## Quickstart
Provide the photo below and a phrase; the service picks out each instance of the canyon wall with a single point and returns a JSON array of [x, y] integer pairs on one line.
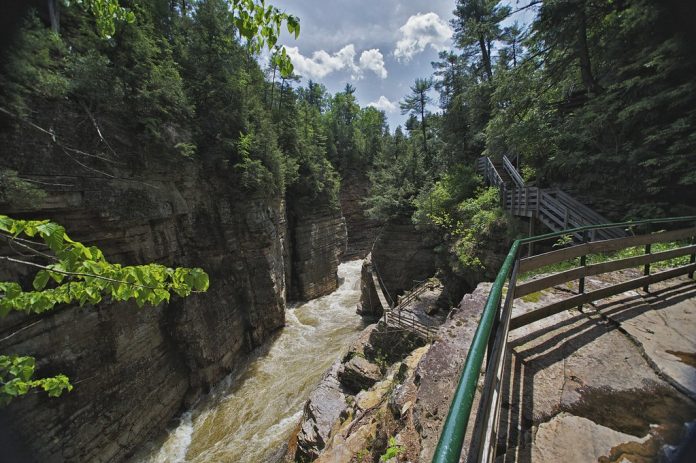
[[134, 369], [362, 231], [403, 256]]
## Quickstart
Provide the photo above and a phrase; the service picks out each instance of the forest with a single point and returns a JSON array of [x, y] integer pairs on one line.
[[594, 87], [596, 97]]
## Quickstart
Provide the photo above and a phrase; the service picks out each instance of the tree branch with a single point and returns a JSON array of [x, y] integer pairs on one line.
[[83, 275]]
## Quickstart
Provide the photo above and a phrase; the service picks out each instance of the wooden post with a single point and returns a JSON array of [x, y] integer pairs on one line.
[[646, 269], [530, 250], [526, 201], [693, 258], [583, 263]]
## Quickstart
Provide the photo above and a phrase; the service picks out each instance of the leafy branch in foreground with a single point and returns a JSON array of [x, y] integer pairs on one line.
[[70, 272]]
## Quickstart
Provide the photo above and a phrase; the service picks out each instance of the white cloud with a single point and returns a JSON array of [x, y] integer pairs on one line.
[[383, 104], [421, 30], [373, 60], [321, 63]]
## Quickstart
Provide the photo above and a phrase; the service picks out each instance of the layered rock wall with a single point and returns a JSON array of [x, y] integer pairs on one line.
[[318, 240], [362, 231], [134, 369], [403, 256]]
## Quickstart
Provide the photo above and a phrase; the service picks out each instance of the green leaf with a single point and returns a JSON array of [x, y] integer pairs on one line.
[[200, 279], [41, 279]]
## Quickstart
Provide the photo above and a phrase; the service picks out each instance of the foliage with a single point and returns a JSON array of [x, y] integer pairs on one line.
[[14, 190], [563, 240], [32, 67], [399, 174], [416, 103], [16, 374], [258, 23], [106, 14], [393, 450], [75, 273], [466, 220]]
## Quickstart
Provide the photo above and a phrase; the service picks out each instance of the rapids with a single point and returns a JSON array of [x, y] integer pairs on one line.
[[251, 413]]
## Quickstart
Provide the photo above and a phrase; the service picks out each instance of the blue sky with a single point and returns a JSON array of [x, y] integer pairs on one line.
[[378, 46]]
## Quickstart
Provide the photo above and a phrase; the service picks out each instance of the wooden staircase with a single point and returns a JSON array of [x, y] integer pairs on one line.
[[551, 206], [398, 316]]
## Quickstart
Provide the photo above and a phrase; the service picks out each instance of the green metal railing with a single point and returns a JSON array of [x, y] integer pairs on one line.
[[492, 320]]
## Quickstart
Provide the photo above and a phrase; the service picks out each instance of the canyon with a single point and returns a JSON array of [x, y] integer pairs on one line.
[[135, 369]]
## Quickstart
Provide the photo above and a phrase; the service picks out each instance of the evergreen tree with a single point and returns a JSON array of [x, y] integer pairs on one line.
[[416, 104]]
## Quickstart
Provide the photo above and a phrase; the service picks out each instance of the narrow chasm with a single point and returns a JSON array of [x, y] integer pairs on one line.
[[251, 414]]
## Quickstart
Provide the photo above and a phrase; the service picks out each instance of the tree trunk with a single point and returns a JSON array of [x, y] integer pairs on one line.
[[584, 54], [280, 98], [54, 15], [273, 86], [486, 57], [422, 108]]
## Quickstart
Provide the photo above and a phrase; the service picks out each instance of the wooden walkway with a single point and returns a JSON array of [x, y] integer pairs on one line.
[[551, 206], [398, 315]]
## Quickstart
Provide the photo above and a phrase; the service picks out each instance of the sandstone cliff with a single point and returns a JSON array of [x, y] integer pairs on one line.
[[133, 369]]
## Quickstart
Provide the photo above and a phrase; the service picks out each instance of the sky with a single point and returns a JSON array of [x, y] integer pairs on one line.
[[378, 46]]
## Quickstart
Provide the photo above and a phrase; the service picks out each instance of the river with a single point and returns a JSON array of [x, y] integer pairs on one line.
[[252, 412]]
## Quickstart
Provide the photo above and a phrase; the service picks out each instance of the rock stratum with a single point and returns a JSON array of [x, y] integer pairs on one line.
[[134, 369]]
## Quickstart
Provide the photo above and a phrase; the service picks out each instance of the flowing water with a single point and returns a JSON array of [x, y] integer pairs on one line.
[[252, 413]]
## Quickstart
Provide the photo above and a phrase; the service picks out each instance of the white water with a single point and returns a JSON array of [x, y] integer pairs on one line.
[[252, 413]]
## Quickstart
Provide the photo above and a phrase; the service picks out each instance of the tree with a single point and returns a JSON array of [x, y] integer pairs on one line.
[[69, 272], [258, 23], [416, 104], [476, 28]]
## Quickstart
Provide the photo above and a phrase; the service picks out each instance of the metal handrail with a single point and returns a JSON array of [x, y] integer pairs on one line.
[[451, 440]]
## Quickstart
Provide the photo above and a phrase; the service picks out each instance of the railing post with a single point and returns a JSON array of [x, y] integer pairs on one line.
[[646, 269], [693, 257], [526, 201], [583, 263], [530, 249]]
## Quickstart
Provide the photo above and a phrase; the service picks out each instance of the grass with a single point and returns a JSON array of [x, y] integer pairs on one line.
[[533, 297]]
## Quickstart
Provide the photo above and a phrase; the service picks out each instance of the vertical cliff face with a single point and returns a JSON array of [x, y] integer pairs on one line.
[[133, 369], [362, 231], [402, 255], [318, 239]]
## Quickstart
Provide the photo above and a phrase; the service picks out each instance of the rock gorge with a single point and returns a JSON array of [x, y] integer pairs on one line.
[[134, 369]]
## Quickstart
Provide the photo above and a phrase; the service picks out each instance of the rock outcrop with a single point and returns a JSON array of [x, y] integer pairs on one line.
[[370, 305], [609, 384], [134, 369], [358, 374]]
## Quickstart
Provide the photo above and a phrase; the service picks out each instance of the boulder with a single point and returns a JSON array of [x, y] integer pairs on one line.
[[359, 374]]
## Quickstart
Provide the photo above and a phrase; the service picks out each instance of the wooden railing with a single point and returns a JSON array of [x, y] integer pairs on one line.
[[490, 173], [496, 321], [516, 177]]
